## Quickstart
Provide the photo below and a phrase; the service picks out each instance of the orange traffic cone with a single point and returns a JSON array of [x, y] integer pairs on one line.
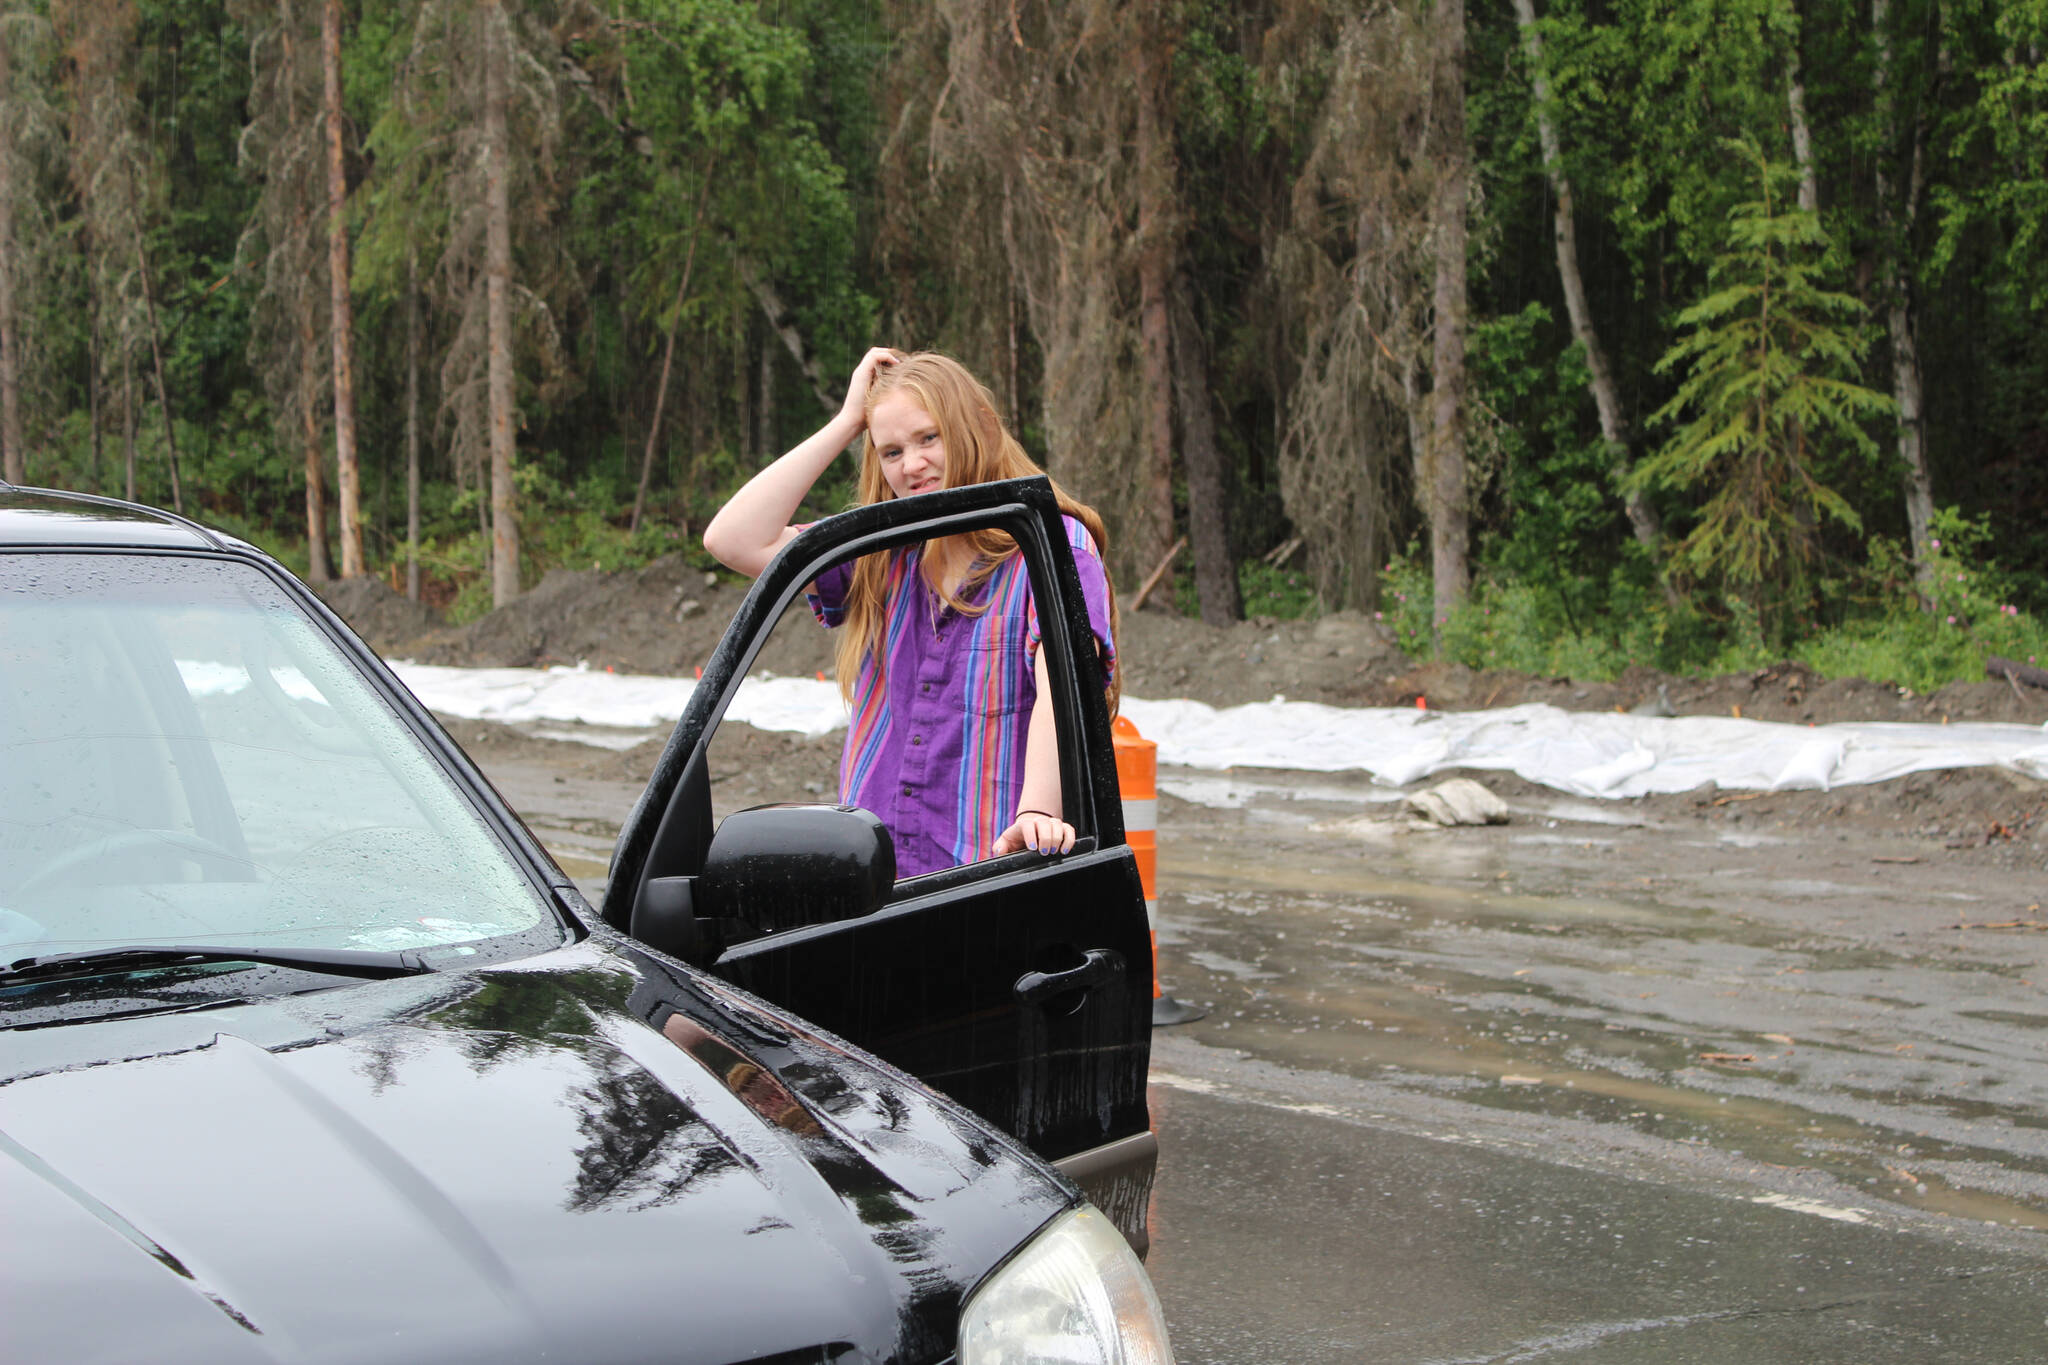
[[1137, 779]]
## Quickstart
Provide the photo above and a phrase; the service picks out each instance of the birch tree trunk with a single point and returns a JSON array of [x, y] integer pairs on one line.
[[1443, 484], [94, 383], [1153, 532], [1802, 133], [127, 424], [340, 320], [668, 356], [412, 425], [1208, 518], [1895, 222], [1614, 425], [764, 402], [782, 321], [319, 568], [13, 457], [498, 304], [156, 358]]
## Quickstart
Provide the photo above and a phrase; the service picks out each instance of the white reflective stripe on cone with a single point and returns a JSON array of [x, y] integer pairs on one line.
[[1152, 915], [1141, 814]]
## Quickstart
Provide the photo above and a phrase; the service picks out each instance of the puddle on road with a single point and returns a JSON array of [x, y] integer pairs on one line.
[[1414, 968]]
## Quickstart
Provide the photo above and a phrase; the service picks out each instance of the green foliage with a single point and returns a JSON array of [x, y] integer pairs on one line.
[[743, 143], [732, 166], [1285, 594], [1921, 635], [1278, 594], [1559, 525], [1530, 626], [1770, 406], [1883, 630], [2004, 130]]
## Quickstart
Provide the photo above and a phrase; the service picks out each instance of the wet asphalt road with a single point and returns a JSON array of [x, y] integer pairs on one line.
[[1567, 1092], [1290, 1228], [1570, 1091]]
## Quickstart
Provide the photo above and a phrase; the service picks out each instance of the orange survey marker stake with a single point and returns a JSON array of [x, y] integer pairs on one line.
[[1137, 780]]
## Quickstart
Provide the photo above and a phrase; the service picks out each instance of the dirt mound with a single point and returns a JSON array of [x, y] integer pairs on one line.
[[389, 621], [1350, 660], [1345, 659], [663, 619]]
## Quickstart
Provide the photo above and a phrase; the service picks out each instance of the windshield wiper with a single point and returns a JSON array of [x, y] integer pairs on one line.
[[145, 957]]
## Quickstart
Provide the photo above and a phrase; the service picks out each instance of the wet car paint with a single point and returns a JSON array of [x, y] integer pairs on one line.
[[588, 1155]]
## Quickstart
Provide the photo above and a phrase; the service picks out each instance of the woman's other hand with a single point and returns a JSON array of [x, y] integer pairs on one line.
[[1034, 829]]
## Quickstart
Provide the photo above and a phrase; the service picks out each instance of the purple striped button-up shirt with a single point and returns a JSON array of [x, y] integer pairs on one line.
[[935, 742]]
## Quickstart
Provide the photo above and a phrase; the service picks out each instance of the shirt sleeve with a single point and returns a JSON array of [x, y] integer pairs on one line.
[[1094, 591], [828, 593]]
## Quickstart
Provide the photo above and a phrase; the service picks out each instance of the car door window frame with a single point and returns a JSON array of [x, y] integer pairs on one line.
[[672, 841]]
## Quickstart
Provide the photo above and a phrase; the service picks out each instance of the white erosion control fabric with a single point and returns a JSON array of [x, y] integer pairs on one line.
[[1583, 753]]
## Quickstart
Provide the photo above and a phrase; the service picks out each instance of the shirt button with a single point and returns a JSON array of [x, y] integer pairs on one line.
[[924, 687], [906, 789], [917, 739]]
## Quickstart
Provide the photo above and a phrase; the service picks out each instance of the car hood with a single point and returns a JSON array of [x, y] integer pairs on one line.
[[590, 1155]]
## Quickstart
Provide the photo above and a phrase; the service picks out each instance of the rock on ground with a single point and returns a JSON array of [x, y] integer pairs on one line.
[[1459, 801]]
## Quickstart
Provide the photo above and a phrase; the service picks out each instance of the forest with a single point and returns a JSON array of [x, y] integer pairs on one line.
[[1563, 335]]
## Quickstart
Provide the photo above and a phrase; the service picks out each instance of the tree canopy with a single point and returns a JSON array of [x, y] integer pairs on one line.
[[1675, 328]]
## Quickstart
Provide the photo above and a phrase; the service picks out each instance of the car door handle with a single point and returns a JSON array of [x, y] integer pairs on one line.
[[1097, 966]]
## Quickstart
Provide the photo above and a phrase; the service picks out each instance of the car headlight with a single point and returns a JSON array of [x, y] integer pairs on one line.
[[1075, 1295]]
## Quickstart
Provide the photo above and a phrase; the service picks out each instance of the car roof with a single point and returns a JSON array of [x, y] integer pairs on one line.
[[49, 517]]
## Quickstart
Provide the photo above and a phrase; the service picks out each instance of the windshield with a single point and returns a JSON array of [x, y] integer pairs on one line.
[[185, 757]]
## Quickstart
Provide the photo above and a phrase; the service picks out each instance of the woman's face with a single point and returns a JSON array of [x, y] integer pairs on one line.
[[908, 443]]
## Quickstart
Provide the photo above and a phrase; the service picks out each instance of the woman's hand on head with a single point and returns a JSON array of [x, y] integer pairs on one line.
[[758, 521], [1035, 830], [855, 408]]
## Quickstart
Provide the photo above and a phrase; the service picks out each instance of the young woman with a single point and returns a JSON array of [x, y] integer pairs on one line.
[[951, 738]]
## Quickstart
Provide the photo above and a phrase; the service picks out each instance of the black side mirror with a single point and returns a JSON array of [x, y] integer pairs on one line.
[[665, 917], [783, 867]]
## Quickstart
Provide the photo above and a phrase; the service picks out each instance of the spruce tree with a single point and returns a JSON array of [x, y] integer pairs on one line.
[[1769, 405]]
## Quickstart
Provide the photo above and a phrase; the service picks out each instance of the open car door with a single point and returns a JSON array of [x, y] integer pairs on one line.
[[1020, 986]]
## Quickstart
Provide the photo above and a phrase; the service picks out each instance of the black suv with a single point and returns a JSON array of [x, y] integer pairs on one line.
[[313, 1053]]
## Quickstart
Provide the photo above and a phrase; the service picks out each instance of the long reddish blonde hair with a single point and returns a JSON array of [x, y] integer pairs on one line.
[[979, 449]]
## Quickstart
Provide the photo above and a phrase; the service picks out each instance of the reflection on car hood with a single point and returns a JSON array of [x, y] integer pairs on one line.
[[587, 1156]]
